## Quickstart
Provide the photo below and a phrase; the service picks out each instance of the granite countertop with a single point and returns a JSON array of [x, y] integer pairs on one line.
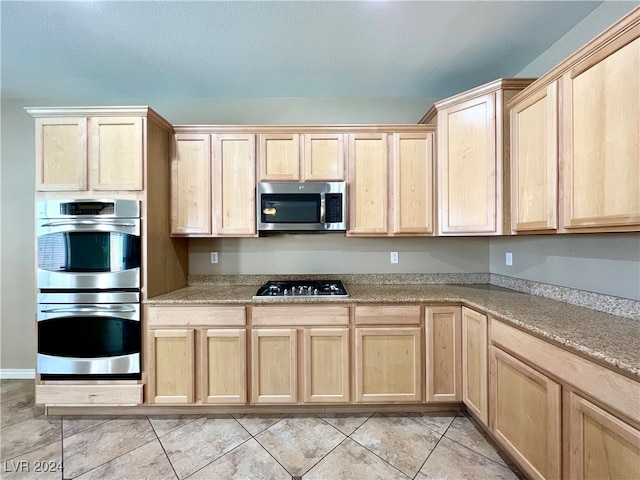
[[608, 339]]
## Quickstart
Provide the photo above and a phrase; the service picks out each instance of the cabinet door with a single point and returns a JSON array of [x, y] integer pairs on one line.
[[171, 372], [474, 363], [273, 365], [525, 415], [388, 364], [224, 369], [279, 156], [326, 365], [443, 354], [601, 139], [61, 154], [191, 184], [116, 153], [467, 167], [600, 446], [368, 184], [324, 157], [534, 162], [413, 183], [234, 189]]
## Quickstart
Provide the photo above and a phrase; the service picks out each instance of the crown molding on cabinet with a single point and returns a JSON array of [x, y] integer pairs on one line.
[[355, 128]]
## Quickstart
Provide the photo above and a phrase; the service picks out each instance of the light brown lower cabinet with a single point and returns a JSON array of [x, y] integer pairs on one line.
[[171, 374], [388, 363], [598, 445], [325, 375], [223, 370], [218, 374], [526, 415], [274, 365], [474, 363], [443, 354]]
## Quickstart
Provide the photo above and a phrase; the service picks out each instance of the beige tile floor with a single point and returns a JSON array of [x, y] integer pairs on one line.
[[327, 447]]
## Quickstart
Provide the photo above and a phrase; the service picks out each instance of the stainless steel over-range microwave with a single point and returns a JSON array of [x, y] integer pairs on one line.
[[299, 207]]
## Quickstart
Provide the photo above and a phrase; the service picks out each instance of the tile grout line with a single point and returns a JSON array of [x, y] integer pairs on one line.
[[162, 446]]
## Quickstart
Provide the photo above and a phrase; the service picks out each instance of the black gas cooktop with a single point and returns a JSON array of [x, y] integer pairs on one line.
[[302, 288]]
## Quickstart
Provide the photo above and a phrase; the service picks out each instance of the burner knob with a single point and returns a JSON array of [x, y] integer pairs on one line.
[[286, 292], [315, 291]]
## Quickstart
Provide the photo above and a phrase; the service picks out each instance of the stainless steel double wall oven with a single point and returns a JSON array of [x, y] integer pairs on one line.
[[89, 255]]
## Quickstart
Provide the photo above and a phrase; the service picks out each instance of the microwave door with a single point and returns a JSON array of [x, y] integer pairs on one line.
[[291, 209]]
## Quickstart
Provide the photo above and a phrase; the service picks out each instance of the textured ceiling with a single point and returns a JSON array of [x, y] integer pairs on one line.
[[81, 50]]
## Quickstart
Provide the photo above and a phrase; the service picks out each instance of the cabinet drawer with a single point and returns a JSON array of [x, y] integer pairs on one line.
[[195, 315], [388, 315], [89, 394], [611, 388], [299, 315]]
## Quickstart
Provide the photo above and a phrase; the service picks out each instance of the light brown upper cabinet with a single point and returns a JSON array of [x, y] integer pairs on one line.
[[368, 183], [301, 157], [472, 159], [413, 183], [234, 185], [534, 161], [213, 185], [89, 153], [391, 183], [601, 138], [575, 140], [191, 184]]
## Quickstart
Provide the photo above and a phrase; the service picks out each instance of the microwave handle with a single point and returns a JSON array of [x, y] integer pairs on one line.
[[323, 208]]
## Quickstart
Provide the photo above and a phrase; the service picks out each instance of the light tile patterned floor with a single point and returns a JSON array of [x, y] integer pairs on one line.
[[212, 447]]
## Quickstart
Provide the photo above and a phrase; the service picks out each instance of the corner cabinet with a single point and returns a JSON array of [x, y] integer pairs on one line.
[[443, 335], [90, 153], [534, 162], [213, 185], [473, 133], [475, 370]]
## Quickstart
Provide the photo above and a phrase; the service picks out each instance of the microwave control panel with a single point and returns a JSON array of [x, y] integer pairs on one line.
[[334, 207]]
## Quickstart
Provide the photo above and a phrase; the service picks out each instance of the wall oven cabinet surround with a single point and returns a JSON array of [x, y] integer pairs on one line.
[[89, 334], [473, 155], [309, 206], [80, 153], [89, 244]]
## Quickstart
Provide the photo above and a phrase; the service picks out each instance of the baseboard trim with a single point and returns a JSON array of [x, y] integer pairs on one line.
[[17, 373]]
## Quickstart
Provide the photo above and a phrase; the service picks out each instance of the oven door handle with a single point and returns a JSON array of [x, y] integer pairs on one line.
[[87, 222], [96, 309]]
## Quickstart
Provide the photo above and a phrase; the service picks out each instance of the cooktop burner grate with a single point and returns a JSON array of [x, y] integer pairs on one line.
[[302, 288]]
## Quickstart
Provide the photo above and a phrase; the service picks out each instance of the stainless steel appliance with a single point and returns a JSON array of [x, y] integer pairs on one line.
[[89, 244], [302, 288], [90, 334], [89, 256], [300, 207]]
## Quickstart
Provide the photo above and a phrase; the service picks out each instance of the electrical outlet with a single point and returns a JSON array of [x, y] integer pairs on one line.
[[394, 257], [508, 258], [214, 257]]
